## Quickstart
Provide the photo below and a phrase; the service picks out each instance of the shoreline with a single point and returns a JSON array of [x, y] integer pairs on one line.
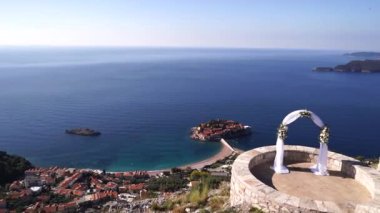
[[224, 152]]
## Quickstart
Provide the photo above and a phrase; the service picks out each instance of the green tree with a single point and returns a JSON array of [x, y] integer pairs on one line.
[[198, 175], [12, 167]]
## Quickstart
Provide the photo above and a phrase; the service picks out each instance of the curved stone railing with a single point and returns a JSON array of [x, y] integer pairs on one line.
[[248, 191]]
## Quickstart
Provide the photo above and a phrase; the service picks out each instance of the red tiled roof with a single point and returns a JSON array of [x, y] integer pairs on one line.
[[111, 185], [134, 187], [63, 191], [3, 202], [69, 180], [102, 195], [78, 192], [50, 208]]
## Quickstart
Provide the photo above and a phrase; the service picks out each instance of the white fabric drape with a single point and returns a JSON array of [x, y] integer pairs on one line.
[[321, 167], [278, 166], [317, 120], [291, 117]]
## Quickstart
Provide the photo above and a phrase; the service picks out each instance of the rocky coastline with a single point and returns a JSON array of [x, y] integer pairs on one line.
[[215, 130], [83, 132], [366, 66]]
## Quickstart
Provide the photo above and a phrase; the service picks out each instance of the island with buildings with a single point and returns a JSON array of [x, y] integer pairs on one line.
[[215, 130], [83, 132]]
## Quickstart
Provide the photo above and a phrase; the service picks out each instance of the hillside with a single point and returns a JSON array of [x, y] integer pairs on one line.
[[360, 66], [12, 167], [365, 66]]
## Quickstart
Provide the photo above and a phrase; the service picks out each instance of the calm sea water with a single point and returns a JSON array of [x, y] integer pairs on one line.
[[144, 101]]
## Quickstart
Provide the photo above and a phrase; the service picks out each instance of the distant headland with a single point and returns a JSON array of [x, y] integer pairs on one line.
[[83, 132], [214, 130], [366, 66], [371, 63], [364, 54]]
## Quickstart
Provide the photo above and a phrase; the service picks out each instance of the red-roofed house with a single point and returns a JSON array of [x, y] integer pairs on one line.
[[119, 174], [67, 207], [111, 186], [32, 209], [16, 185], [3, 204], [50, 208], [136, 187]]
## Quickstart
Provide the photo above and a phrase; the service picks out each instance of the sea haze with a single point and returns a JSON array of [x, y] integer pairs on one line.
[[144, 101]]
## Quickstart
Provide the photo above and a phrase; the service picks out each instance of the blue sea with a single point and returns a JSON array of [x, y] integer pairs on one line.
[[145, 100]]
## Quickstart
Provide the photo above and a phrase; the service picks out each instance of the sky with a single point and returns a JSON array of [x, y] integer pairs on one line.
[[295, 24]]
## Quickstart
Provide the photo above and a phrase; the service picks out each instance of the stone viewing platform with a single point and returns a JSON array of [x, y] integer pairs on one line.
[[215, 130], [83, 132], [350, 187]]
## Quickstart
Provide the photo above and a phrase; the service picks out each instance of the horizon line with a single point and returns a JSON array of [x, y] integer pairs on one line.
[[182, 47], [179, 47]]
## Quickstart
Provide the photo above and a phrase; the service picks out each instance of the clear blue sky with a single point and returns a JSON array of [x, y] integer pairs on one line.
[[333, 24]]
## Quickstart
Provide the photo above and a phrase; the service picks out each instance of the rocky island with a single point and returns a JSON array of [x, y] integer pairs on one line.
[[366, 66], [215, 130], [83, 132]]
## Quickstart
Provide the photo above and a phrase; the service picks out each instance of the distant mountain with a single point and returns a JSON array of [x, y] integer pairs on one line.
[[354, 66], [12, 167], [364, 54]]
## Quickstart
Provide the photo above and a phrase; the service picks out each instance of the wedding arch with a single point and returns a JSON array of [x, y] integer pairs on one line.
[[321, 167]]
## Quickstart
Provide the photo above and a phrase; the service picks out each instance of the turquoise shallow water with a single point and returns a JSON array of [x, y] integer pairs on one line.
[[144, 101]]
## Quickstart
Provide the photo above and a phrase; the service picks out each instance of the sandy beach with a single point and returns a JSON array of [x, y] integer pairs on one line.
[[224, 152]]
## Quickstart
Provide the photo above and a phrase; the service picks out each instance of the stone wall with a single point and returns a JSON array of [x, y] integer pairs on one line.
[[248, 191]]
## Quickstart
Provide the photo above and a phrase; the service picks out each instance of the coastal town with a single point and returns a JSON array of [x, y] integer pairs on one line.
[[57, 189], [215, 130]]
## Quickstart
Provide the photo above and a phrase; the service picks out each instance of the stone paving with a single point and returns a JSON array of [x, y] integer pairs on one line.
[[301, 182]]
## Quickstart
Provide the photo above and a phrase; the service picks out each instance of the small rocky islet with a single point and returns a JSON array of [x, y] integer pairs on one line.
[[82, 132], [216, 129]]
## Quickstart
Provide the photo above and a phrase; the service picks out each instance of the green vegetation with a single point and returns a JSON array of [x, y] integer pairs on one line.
[[20, 204], [206, 178], [255, 210], [12, 167], [167, 205], [359, 66], [176, 170], [199, 194], [371, 162], [216, 203], [360, 158], [55, 198], [167, 184], [197, 175], [218, 163], [197, 198]]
